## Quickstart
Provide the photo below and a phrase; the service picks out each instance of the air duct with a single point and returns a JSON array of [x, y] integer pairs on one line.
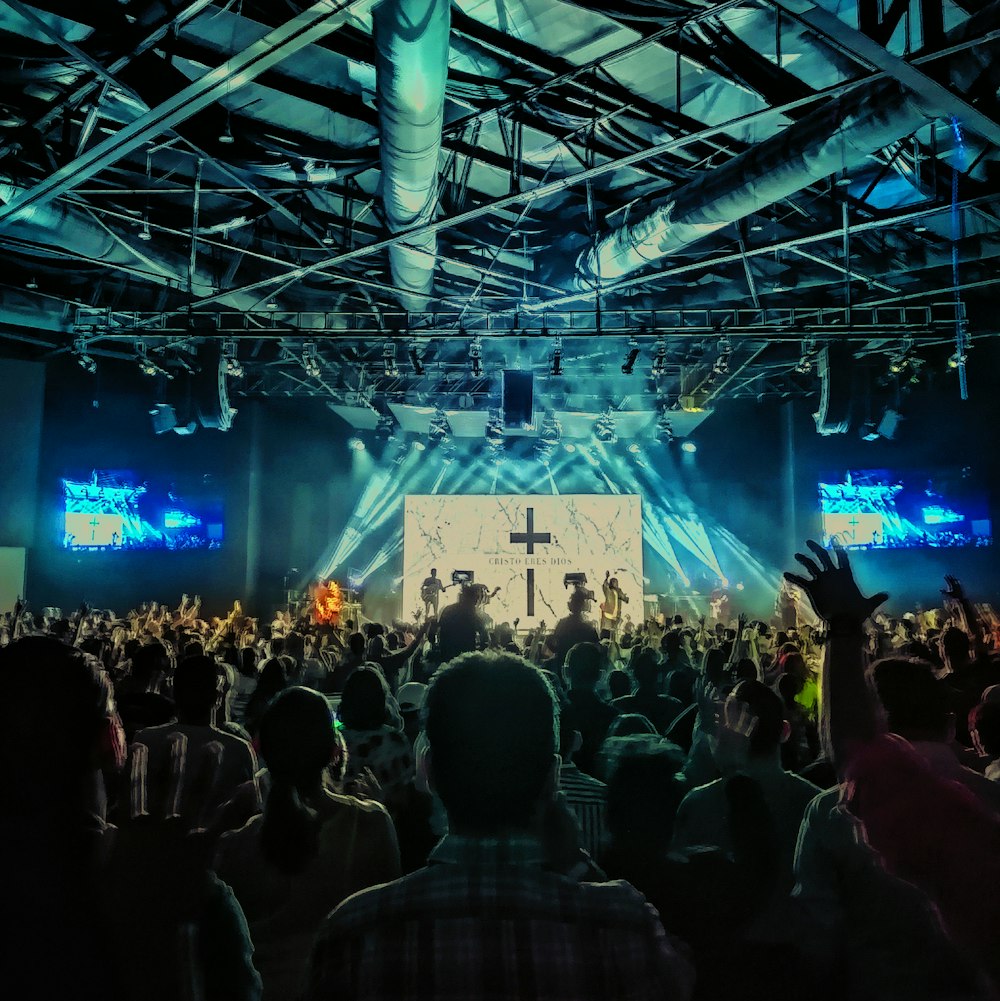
[[82, 235], [839, 136], [412, 45]]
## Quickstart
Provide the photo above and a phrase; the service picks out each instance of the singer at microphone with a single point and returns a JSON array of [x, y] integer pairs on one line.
[[611, 607]]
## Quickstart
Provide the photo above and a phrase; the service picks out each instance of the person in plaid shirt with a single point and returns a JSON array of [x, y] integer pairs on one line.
[[485, 918]]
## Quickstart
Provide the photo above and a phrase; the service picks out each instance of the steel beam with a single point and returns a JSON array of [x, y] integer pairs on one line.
[[868, 51], [312, 24]]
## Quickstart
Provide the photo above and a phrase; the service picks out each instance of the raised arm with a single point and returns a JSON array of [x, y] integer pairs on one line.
[[850, 714]]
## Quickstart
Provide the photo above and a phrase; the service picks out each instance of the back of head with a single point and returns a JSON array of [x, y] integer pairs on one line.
[[298, 740], [583, 665], [619, 684], [670, 644], [147, 661], [645, 669], [766, 706], [246, 662], [643, 796], [578, 601], [630, 724], [362, 704], [196, 687], [294, 645], [492, 726], [356, 644], [915, 702], [53, 711]]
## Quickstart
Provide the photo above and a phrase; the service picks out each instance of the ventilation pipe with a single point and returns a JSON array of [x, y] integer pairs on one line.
[[412, 44], [837, 137], [57, 224]]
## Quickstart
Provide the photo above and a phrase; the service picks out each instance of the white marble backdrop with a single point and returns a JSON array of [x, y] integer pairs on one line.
[[490, 536]]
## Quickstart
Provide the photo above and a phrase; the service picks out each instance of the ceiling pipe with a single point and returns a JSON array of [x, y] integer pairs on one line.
[[412, 40], [80, 234], [838, 137]]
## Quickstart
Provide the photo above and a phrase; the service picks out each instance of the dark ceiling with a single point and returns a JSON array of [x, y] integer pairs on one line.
[[749, 180]]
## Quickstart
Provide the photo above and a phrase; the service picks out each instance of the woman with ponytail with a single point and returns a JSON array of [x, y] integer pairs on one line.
[[310, 848]]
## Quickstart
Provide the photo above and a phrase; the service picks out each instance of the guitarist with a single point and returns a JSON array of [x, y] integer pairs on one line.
[[430, 593]]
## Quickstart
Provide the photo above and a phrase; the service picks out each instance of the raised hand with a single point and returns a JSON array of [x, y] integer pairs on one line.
[[954, 589], [832, 590]]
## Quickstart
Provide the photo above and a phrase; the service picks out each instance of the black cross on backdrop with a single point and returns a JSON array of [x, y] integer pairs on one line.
[[530, 537]]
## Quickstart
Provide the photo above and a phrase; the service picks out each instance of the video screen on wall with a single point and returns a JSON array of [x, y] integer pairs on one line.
[[889, 509], [125, 511]]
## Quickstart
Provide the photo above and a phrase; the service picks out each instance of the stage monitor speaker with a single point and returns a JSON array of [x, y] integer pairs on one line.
[[836, 373], [518, 399]]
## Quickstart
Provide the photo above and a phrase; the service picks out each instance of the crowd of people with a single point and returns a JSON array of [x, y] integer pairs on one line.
[[228, 809]]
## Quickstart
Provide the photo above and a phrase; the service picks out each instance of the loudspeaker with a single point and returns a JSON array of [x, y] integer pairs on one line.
[[835, 365], [518, 399]]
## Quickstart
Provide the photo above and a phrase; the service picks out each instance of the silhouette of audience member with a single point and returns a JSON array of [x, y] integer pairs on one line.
[[591, 713], [660, 710], [485, 919], [216, 763], [375, 743], [748, 741], [311, 847], [461, 626], [572, 629], [52, 906]]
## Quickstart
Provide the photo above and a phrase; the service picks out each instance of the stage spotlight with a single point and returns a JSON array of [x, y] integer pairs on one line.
[[631, 357], [721, 366], [310, 360], [83, 359], [633, 448], [903, 358], [807, 356], [386, 427], [958, 358], [357, 444], [232, 362], [660, 359], [144, 233], [604, 428], [740, 586], [439, 430], [495, 433], [226, 136], [476, 356], [389, 366], [689, 446], [418, 446], [31, 284], [271, 304], [415, 360], [664, 429], [570, 447], [557, 359]]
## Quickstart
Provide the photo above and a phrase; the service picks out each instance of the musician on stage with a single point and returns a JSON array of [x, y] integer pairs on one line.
[[430, 593], [611, 607]]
